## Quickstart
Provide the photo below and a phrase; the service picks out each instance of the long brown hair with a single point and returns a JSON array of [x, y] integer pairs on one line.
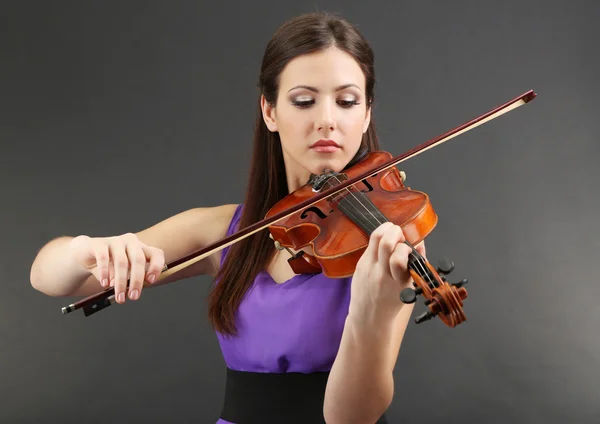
[[267, 182]]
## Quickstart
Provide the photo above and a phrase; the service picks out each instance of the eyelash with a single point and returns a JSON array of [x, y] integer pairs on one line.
[[304, 104]]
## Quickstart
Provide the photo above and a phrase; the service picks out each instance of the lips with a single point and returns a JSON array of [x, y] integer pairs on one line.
[[325, 143], [325, 146]]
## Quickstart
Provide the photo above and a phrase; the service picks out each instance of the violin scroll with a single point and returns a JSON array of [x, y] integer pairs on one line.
[[443, 299]]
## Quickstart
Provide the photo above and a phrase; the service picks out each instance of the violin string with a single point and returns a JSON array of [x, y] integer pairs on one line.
[[415, 255]]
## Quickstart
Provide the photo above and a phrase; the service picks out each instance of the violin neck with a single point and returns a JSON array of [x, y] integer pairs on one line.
[[361, 211]]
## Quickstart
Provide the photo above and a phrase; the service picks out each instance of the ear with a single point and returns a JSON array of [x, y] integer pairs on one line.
[[268, 113], [367, 120]]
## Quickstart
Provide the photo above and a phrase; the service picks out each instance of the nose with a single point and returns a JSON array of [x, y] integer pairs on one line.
[[325, 120]]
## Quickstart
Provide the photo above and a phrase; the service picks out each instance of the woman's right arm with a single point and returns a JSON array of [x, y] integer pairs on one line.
[[75, 266]]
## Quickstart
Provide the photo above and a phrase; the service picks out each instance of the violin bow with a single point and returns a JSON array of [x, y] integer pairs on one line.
[[105, 298]]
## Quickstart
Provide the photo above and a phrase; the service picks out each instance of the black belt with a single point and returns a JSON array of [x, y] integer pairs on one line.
[[262, 398]]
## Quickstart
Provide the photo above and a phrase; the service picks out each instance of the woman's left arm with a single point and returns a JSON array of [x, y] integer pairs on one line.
[[361, 384]]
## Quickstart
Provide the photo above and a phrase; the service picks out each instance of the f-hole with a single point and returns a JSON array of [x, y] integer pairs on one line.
[[369, 186], [314, 210]]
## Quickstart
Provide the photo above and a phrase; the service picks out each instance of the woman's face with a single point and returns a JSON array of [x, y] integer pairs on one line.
[[321, 99]]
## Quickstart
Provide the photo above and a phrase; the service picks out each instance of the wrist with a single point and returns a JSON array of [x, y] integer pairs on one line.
[[73, 244], [373, 314], [55, 271], [370, 325]]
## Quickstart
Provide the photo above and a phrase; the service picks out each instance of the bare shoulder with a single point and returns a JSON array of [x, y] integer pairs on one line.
[[188, 231]]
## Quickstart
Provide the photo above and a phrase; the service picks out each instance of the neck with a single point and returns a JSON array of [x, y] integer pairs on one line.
[[295, 174], [296, 178]]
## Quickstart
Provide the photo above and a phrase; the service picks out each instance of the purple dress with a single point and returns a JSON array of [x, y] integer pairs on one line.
[[291, 327]]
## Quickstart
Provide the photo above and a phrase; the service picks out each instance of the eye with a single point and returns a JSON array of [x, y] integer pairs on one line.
[[348, 103], [303, 103]]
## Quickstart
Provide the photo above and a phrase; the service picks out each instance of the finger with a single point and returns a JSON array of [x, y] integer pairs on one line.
[[399, 261], [111, 273], [375, 240], [388, 243], [102, 260], [157, 262], [137, 259], [421, 248], [121, 264]]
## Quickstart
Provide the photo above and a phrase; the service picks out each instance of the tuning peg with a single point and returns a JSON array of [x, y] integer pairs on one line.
[[408, 295], [460, 283], [445, 266], [425, 316]]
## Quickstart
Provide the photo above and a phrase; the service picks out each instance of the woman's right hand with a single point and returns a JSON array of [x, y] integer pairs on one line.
[[114, 260]]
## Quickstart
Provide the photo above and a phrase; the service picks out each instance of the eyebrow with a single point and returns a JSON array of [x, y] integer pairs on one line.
[[308, 87]]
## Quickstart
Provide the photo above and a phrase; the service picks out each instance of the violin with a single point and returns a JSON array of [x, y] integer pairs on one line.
[[335, 213], [338, 229]]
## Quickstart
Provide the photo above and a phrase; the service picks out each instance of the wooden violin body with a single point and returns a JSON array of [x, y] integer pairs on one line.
[[337, 240]]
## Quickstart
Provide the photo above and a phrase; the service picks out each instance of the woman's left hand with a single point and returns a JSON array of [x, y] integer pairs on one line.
[[381, 274]]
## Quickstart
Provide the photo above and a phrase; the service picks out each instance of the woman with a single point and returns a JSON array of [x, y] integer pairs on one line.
[[298, 348]]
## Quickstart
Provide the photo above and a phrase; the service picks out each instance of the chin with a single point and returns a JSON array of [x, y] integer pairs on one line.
[[335, 165], [316, 163]]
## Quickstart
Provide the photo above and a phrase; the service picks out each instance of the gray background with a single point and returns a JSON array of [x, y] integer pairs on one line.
[[115, 115]]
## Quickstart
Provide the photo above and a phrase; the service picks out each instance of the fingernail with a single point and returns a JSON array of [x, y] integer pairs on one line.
[[121, 297], [134, 294], [151, 278], [104, 282]]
